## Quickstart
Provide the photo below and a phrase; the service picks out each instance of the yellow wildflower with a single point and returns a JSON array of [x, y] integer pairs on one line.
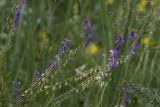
[[147, 42], [142, 5], [93, 49], [110, 2]]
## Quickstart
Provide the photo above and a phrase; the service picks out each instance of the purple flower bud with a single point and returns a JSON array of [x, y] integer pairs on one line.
[[52, 64], [18, 13], [120, 39], [23, 2], [87, 20], [67, 40], [16, 93], [37, 75], [64, 47], [133, 48], [89, 34], [126, 99], [89, 40], [117, 47], [87, 23], [132, 35]]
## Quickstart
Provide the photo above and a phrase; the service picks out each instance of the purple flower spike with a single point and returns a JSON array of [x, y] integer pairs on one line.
[[18, 13], [120, 39], [53, 64], [132, 35], [88, 35]]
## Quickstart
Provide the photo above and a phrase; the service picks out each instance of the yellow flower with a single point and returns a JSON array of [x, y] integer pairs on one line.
[[92, 48], [142, 5], [147, 42], [110, 2]]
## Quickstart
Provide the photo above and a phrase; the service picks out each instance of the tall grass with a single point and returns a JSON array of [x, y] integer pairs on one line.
[[80, 78]]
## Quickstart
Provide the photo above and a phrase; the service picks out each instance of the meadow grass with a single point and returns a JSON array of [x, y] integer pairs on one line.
[[81, 78]]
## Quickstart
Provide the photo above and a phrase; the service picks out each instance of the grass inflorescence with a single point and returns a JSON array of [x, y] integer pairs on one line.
[[78, 53]]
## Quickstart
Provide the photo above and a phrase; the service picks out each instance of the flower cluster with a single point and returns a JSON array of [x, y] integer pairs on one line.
[[53, 64], [17, 85], [89, 33], [113, 58], [132, 35], [37, 75], [63, 49], [18, 13]]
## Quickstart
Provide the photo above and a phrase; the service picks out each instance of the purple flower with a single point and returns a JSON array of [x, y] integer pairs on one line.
[[64, 47], [37, 75], [113, 58], [87, 20], [88, 36], [17, 85], [126, 99], [117, 47], [133, 48], [113, 53], [132, 35], [87, 23], [23, 2], [114, 63], [18, 13], [120, 39], [53, 64], [16, 93], [67, 40]]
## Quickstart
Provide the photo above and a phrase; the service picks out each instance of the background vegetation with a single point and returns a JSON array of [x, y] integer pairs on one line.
[[37, 39]]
